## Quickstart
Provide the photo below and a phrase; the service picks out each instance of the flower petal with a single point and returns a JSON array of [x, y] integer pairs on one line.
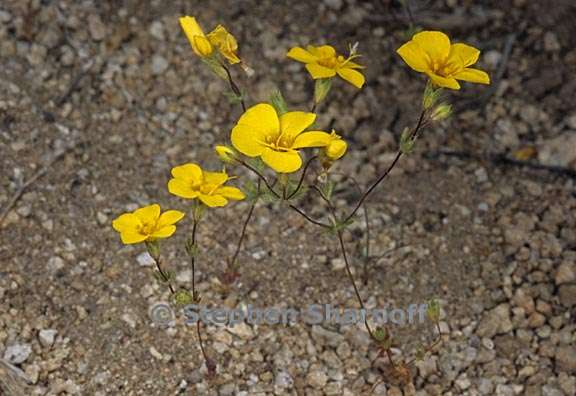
[[473, 75], [466, 54], [201, 46], [282, 161], [312, 139], [193, 31], [322, 51], [217, 178], [414, 56], [164, 232], [169, 217], [294, 122], [336, 149], [126, 222], [231, 193], [148, 214], [182, 188], [188, 172], [253, 127], [225, 42], [130, 237], [317, 71], [445, 82], [352, 76], [301, 55], [435, 44], [213, 201]]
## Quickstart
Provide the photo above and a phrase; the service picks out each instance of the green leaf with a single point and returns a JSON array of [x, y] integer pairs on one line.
[[321, 89], [277, 100], [406, 142]]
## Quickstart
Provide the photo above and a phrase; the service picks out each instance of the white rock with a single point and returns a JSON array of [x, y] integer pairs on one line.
[[17, 353], [145, 260], [159, 64], [47, 337]]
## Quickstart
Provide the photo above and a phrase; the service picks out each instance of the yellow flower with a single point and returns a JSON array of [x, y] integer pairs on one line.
[[444, 63], [323, 62], [190, 181], [200, 43], [336, 148], [225, 42], [260, 132], [146, 224]]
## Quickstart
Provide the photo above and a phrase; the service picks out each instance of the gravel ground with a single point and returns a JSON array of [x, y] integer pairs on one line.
[[98, 99]]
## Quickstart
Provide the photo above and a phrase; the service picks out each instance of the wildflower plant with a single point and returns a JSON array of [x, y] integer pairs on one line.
[[281, 146]]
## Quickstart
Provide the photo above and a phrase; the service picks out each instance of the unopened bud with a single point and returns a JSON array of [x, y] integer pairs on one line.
[[226, 154], [431, 96], [441, 112]]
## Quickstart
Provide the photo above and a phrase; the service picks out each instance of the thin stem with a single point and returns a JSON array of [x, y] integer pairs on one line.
[[345, 256], [234, 87], [193, 253], [387, 172], [302, 176], [243, 234], [310, 219], [163, 274], [261, 176], [209, 363], [351, 277]]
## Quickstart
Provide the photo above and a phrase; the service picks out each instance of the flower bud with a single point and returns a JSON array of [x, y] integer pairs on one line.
[[441, 112], [226, 154], [336, 149]]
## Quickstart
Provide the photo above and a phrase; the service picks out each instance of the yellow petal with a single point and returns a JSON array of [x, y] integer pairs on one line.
[[317, 71], [352, 76], [225, 42], [312, 139], [231, 193], [126, 222], [294, 122], [190, 26], [213, 201], [188, 172], [414, 56], [323, 51], [336, 149], [445, 82], [169, 217], [130, 237], [282, 161], [217, 178], [435, 44], [195, 35], [466, 54], [164, 232], [253, 127], [148, 214], [301, 55], [181, 188], [473, 75], [201, 46]]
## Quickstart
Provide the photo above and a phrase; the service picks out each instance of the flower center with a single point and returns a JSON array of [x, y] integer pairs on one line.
[[279, 142], [445, 69], [208, 189], [147, 229], [330, 62]]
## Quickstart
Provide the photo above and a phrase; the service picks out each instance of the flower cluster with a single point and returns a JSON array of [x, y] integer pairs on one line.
[[273, 142]]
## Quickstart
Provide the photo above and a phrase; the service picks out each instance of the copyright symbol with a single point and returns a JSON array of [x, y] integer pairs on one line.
[[161, 314]]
